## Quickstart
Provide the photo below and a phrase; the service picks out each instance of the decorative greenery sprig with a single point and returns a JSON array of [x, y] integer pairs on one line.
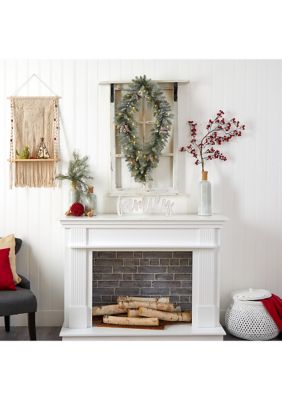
[[78, 173], [218, 131], [142, 158]]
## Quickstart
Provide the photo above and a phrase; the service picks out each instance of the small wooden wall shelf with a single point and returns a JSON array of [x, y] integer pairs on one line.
[[33, 160]]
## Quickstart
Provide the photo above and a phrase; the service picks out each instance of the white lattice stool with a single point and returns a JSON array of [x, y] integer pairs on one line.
[[247, 317]]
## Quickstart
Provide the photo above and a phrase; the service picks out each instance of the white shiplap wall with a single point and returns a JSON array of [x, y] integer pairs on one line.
[[247, 189]]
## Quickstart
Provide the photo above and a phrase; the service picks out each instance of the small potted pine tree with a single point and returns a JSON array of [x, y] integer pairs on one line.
[[78, 174]]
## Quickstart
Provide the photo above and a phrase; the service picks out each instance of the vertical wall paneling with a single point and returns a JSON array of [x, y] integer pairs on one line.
[[247, 188]]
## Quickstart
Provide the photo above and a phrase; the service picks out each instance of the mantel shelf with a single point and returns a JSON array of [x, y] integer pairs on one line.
[[155, 246], [14, 160], [177, 221]]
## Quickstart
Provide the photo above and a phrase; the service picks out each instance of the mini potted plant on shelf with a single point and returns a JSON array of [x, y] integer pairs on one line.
[[24, 153], [218, 131], [78, 175]]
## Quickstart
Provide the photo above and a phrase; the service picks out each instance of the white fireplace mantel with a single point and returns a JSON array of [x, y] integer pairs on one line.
[[84, 235]]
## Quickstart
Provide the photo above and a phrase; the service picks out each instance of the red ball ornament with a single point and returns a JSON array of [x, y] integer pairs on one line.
[[77, 209]]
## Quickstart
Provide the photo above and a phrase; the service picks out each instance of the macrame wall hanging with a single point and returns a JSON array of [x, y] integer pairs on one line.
[[34, 141]]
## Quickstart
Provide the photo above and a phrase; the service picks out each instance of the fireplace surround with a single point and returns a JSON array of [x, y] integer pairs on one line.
[[179, 233]]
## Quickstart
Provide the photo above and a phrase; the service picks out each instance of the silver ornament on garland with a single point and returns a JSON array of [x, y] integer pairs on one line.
[[142, 158]]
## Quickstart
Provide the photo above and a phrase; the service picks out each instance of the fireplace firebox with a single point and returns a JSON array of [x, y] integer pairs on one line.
[[142, 273]]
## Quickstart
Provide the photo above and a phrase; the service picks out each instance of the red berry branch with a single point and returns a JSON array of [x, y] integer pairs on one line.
[[218, 131]]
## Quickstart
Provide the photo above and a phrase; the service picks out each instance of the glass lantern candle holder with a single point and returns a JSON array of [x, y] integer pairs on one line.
[[90, 201]]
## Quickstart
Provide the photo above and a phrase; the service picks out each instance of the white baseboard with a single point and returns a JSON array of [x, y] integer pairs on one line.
[[43, 318]]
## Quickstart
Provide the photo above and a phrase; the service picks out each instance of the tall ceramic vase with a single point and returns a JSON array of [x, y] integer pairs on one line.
[[204, 207]]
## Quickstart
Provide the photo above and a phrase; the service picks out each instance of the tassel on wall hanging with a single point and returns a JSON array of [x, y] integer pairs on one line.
[[34, 141]]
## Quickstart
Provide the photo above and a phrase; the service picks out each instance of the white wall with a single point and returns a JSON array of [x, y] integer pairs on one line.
[[248, 188]]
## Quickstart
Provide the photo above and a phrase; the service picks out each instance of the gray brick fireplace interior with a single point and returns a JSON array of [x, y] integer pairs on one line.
[[142, 273]]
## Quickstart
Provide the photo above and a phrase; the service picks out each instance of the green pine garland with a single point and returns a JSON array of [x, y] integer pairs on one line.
[[141, 159]]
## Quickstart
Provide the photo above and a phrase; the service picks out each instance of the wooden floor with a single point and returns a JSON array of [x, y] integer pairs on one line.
[[21, 333], [52, 333]]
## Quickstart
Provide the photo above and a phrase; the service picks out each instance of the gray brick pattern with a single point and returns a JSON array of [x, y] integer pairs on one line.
[[142, 273]]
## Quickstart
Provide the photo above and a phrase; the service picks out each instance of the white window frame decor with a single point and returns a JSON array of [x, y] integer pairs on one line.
[[137, 188]]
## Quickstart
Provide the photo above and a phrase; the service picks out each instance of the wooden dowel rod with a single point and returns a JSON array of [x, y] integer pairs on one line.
[[14, 97]]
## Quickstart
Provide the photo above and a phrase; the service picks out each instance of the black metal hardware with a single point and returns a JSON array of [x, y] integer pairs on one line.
[[175, 91], [112, 93]]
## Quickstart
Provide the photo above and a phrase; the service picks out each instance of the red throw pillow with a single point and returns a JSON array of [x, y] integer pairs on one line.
[[6, 276]]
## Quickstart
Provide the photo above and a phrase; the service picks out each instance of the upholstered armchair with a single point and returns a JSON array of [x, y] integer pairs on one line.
[[19, 301]]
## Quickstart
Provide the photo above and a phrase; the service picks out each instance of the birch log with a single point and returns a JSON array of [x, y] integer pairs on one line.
[[155, 305], [155, 299], [110, 309], [165, 316], [133, 313], [130, 321]]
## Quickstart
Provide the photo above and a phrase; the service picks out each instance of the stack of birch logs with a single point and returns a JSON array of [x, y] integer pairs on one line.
[[142, 311]]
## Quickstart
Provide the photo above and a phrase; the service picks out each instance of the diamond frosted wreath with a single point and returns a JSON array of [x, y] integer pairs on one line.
[[142, 158]]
